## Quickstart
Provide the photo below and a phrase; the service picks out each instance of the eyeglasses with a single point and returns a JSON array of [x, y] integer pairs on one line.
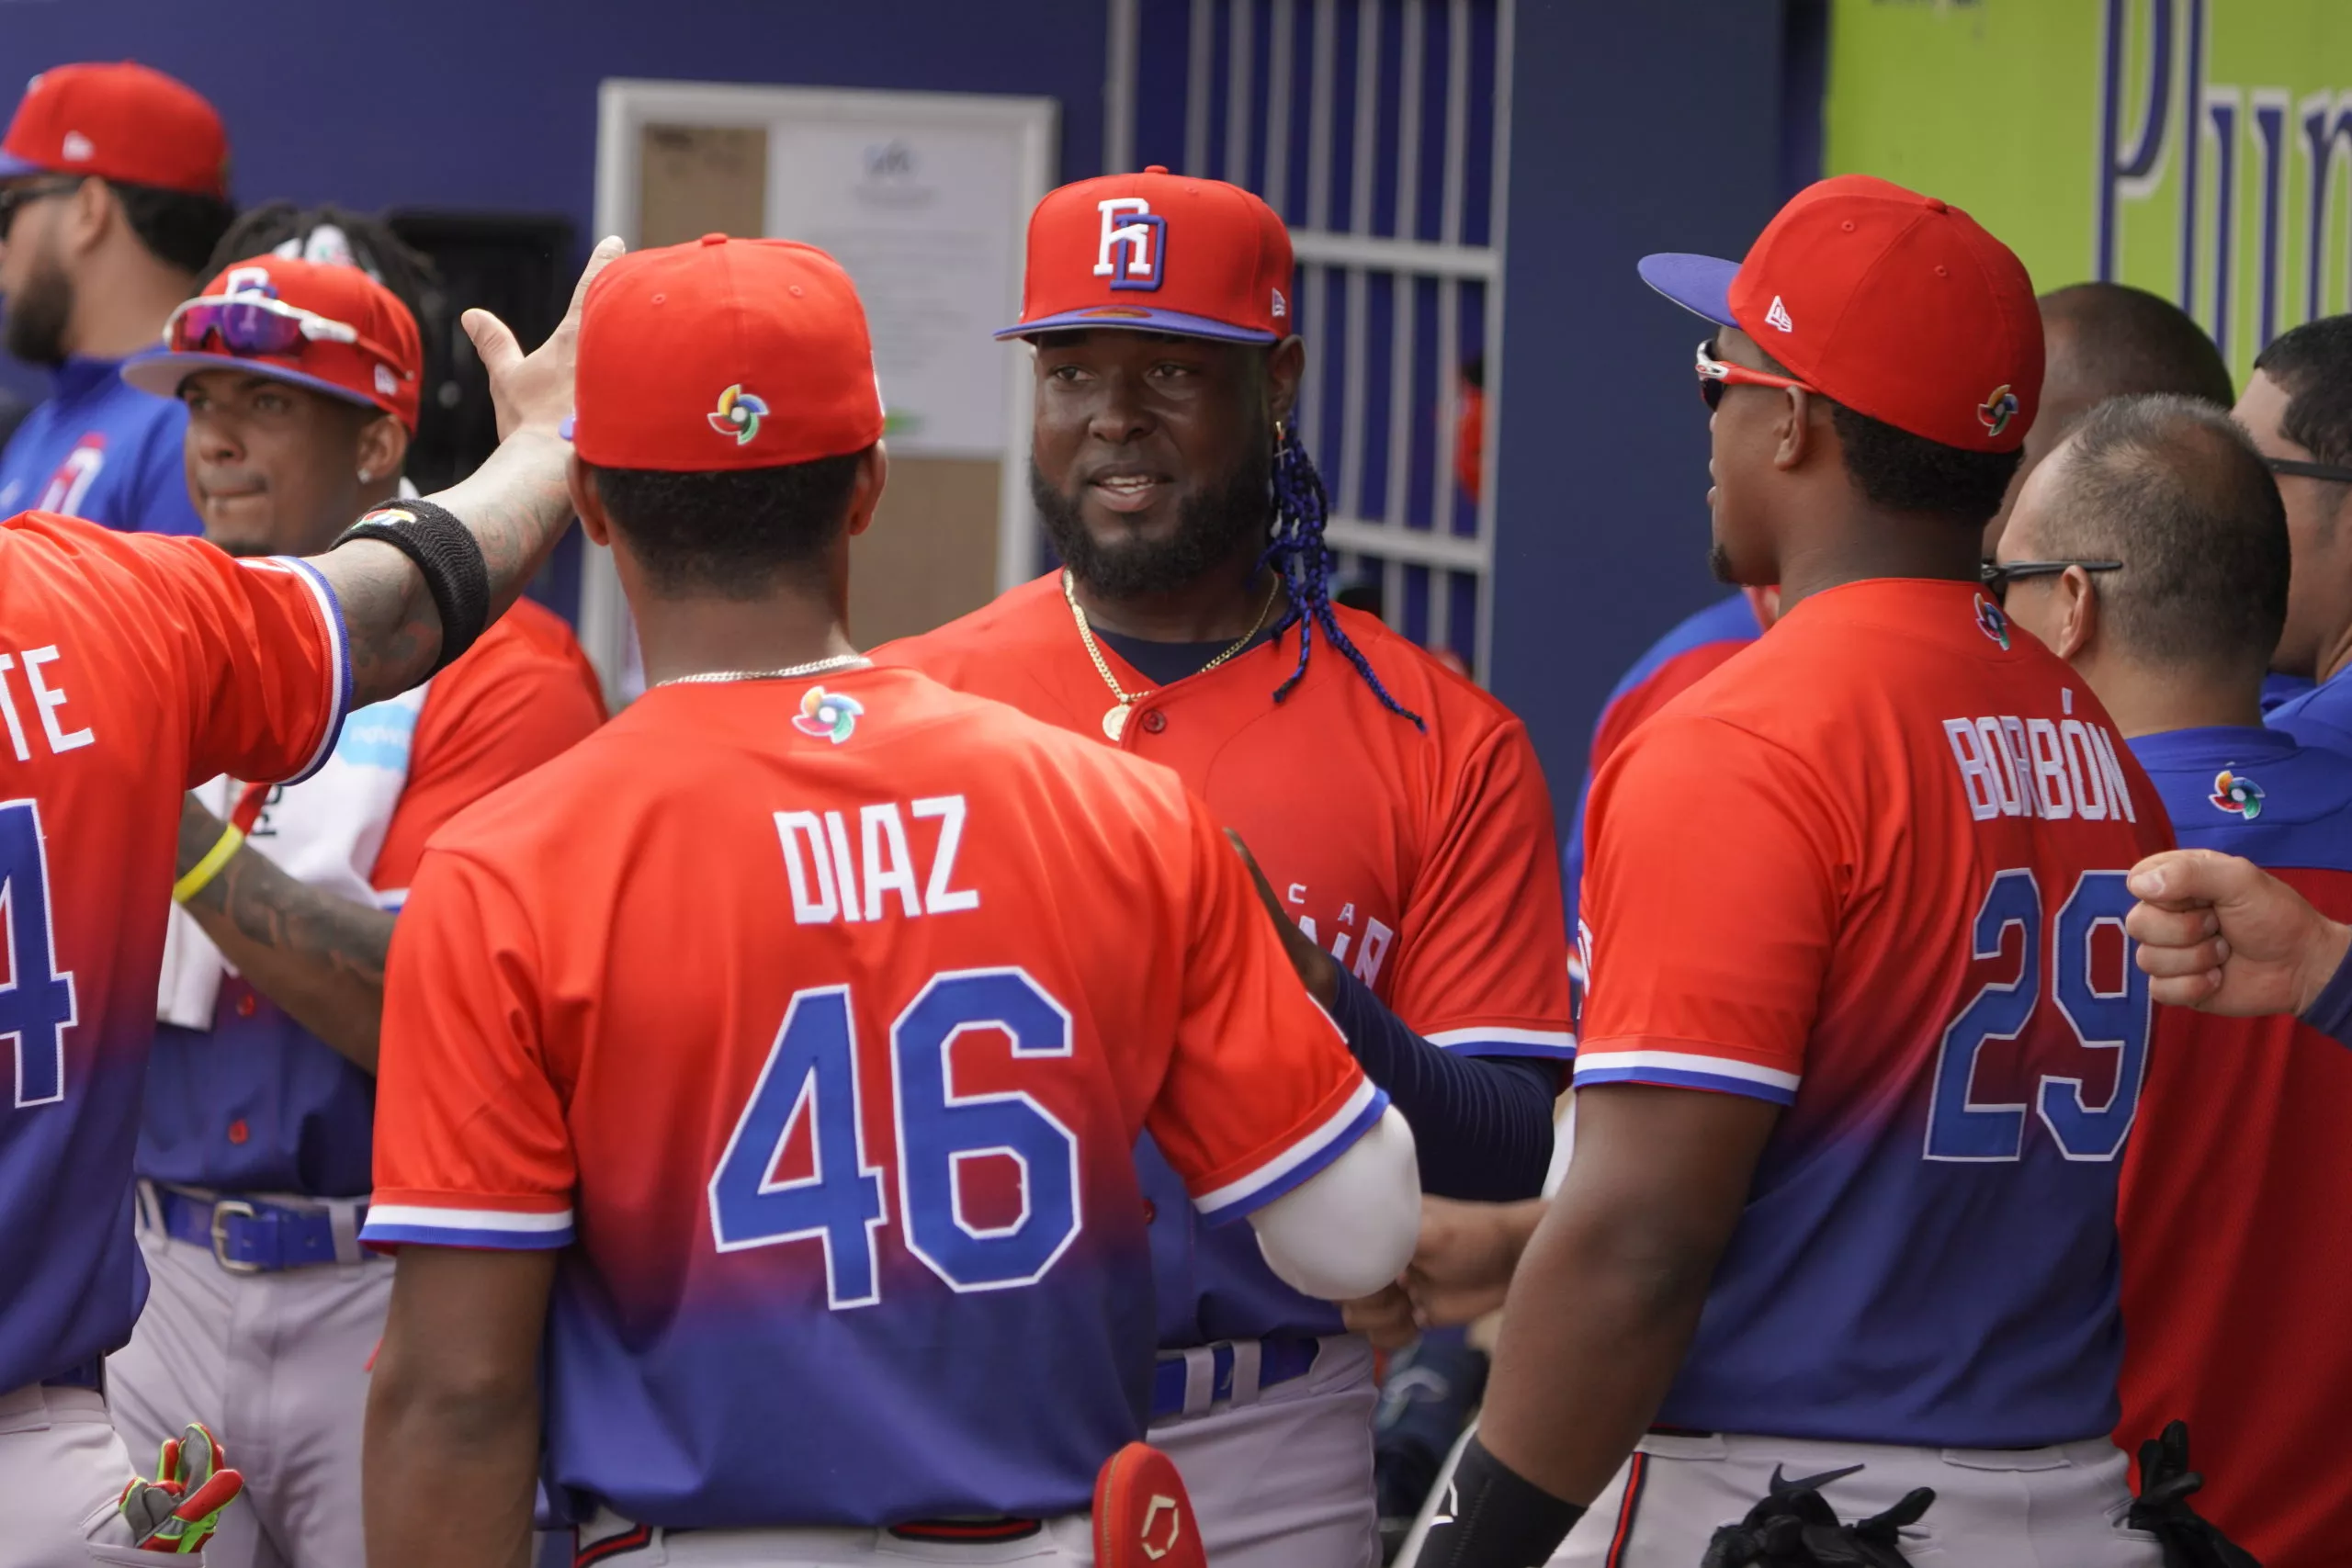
[[2331, 472], [1999, 575], [250, 325], [1714, 375], [13, 197]]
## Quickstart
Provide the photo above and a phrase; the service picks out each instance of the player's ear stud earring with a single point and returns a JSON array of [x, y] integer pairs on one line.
[[367, 476]]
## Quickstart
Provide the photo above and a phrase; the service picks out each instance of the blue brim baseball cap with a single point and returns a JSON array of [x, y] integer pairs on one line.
[[1701, 285], [162, 373], [13, 167], [1136, 318]]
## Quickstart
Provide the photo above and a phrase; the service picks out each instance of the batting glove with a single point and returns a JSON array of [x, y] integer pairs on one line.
[[178, 1510]]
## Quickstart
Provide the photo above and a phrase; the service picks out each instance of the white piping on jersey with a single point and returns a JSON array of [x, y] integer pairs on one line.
[[1313, 1146], [1687, 1062], [423, 1218]]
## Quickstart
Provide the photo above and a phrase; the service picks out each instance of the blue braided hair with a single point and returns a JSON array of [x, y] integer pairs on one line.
[[1298, 552]]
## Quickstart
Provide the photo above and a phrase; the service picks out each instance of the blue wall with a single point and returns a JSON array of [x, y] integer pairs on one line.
[[492, 104], [1635, 128]]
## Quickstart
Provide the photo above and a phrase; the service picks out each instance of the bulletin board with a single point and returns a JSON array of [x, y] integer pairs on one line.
[[924, 199]]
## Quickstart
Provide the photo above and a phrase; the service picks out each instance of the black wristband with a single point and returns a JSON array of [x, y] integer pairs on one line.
[[1492, 1517], [446, 552]]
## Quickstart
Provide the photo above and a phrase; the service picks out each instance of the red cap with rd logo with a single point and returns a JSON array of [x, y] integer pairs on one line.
[[123, 122], [1894, 304], [1158, 252], [723, 354]]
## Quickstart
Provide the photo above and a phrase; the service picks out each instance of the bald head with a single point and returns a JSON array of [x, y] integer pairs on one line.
[[2174, 489]]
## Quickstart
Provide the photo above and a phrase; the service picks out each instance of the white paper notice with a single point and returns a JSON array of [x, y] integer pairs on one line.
[[929, 221]]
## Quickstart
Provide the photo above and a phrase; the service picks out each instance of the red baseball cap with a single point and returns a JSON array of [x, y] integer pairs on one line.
[[724, 353], [1892, 303], [125, 122], [332, 328], [1159, 252]]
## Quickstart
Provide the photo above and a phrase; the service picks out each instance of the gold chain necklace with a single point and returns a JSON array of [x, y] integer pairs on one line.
[[1114, 723]]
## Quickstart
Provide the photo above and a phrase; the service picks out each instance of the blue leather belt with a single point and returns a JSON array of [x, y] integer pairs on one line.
[[1280, 1359], [251, 1238]]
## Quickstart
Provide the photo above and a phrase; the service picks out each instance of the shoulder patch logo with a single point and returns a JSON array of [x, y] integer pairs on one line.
[[1995, 411], [2237, 794], [1991, 621], [1778, 316], [737, 414], [828, 715]]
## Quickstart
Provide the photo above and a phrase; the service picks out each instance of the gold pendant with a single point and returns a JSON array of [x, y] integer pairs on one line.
[[1114, 723]]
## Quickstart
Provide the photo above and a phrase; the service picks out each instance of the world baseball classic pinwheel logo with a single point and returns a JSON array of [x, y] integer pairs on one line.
[[1997, 411], [1991, 620], [737, 414], [827, 716], [2237, 794]]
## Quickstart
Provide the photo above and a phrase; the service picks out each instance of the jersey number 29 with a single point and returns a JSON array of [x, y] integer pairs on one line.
[[811, 1075], [1962, 1128], [36, 1001]]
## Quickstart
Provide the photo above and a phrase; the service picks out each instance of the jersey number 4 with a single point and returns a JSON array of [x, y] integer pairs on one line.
[[811, 1077], [1962, 1128], [36, 1001]]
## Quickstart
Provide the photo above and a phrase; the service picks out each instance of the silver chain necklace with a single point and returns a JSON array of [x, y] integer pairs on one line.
[[721, 677]]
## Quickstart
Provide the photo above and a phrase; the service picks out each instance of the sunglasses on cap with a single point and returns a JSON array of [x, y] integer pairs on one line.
[[2332, 473], [254, 325], [1999, 575], [1714, 375], [17, 196]]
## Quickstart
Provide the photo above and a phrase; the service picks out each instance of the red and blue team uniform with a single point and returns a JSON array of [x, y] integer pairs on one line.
[[102, 449], [2238, 1180], [1698, 645], [130, 668], [1896, 910], [1422, 860], [823, 1020], [257, 1103]]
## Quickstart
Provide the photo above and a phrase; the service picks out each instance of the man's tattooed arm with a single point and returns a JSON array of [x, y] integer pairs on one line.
[[515, 506], [318, 957]]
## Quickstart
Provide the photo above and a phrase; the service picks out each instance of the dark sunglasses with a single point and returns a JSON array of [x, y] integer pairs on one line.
[[2328, 472], [1999, 575], [20, 196]]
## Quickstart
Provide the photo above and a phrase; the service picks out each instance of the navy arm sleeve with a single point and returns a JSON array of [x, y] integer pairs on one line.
[[2330, 1012], [1482, 1124]]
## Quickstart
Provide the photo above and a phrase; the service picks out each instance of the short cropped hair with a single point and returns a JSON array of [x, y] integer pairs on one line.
[[2312, 365], [1904, 472], [2175, 490], [2122, 341], [178, 228], [730, 533]]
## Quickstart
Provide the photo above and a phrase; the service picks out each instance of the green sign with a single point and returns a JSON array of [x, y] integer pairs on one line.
[[2202, 148]]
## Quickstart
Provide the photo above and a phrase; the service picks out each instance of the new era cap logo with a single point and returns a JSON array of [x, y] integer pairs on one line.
[[78, 147], [386, 384], [1133, 251], [1778, 316], [1281, 307]]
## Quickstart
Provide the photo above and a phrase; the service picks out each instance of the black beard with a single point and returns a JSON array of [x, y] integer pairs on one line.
[[38, 316], [1719, 562], [1211, 527]]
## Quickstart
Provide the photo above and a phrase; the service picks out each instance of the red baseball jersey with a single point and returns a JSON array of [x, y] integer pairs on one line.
[[825, 1018], [1871, 871], [2239, 1179], [131, 667], [1423, 858]]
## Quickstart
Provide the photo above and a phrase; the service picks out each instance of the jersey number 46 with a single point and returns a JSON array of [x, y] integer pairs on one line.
[[812, 1078], [36, 999], [1961, 1127]]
